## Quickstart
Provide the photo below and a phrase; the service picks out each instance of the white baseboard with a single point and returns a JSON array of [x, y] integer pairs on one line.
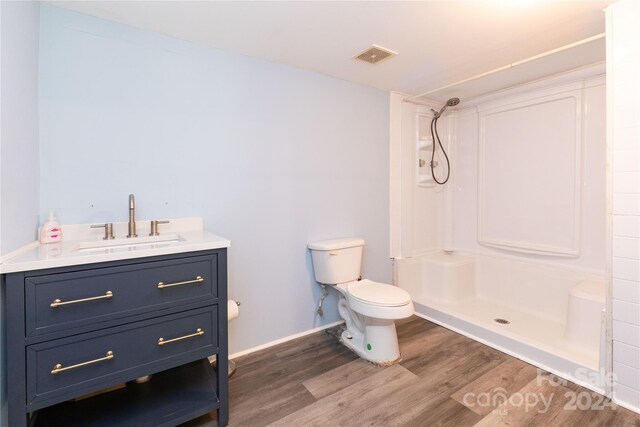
[[625, 405], [283, 340]]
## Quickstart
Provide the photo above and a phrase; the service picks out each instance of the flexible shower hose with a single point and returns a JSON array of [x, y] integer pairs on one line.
[[435, 137]]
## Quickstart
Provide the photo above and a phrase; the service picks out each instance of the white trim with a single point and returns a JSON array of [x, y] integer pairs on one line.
[[591, 75], [283, 340], [520, 99], [626, 405], [395, 173], [508, 66], [448, 197], [24, 249], [520, 247], [608, 351], [407, 167], [423, 102]]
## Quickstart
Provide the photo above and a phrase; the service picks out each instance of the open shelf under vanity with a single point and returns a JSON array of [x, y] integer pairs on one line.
[[169, 398]]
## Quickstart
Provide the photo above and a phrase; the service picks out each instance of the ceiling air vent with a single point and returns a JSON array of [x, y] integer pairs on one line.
[[375, 54]]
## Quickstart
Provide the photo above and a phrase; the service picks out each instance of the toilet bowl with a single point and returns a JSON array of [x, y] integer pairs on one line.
[[368, 308]]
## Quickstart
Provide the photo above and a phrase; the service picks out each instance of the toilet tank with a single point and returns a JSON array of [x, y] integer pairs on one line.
[[337, 261]]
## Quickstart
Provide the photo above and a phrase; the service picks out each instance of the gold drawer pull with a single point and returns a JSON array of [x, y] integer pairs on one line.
[[58, 368], [57, 303], [198, 279], [162, 341]]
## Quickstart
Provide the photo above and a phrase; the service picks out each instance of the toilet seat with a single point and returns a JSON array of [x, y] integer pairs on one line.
[[377, 300], [380, 294]]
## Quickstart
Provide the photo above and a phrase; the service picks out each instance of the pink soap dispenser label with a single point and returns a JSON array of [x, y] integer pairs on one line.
[[51, 232]]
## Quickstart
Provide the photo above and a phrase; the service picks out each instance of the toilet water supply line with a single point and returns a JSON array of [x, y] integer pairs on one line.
[[352, 319], [325, 293]]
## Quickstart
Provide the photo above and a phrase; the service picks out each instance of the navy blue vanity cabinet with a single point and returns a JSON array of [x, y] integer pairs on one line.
[[73, 331]]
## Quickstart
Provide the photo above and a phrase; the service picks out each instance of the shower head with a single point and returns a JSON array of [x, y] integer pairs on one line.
[[453, 102], [450, 103]]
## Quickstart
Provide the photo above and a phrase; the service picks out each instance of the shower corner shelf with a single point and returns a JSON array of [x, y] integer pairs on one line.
[[423, 157], [425, 180], [424, 143]]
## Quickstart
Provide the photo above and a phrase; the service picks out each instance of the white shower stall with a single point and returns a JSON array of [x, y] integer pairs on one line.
[[512, 250]]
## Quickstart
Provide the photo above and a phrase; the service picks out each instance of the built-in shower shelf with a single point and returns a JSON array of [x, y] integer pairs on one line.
[[423, 169], [425, 143]]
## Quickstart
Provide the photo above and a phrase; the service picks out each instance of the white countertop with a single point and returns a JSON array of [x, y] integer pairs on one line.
[[187, 235]]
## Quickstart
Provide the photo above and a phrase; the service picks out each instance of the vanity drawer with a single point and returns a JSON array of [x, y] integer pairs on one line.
[[66, 366], [62, 301]]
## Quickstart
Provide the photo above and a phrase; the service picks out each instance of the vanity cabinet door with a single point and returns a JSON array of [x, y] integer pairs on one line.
[[63, 368], [58, 302]]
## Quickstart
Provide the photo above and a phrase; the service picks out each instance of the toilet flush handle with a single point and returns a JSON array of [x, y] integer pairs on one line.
[[333, 253]]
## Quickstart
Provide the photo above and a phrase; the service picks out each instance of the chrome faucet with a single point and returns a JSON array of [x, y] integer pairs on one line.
[[132, 216]]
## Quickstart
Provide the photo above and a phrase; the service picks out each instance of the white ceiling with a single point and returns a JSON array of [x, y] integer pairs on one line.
[[438, 42]]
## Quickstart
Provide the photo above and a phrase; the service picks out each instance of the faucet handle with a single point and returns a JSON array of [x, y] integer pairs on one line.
[[154, 227], [108, 230]]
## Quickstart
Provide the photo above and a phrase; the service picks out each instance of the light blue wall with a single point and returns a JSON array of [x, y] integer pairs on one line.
[[19, 23], [19, 127], [271, 156]]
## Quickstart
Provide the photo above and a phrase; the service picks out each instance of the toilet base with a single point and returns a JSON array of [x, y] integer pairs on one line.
[[378, 344]]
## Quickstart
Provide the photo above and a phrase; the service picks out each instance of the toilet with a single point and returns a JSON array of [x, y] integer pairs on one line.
[[368, 308]]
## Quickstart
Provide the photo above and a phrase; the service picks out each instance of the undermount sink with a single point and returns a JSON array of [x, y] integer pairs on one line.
[[129, 243]]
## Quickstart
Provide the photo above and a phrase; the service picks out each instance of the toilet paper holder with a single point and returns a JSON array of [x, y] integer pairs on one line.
[[232, 364]]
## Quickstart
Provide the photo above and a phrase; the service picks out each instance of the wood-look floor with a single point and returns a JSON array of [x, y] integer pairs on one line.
[[444, 379]]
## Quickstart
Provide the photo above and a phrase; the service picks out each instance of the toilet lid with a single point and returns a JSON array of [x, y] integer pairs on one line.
[[378, 293]]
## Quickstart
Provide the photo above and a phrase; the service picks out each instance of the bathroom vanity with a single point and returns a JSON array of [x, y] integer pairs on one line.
[[83, 321]]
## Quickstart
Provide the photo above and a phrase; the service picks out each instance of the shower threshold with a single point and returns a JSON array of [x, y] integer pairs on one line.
[[535, 339]]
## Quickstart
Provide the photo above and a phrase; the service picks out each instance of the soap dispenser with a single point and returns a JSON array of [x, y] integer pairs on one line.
[[51, 232]]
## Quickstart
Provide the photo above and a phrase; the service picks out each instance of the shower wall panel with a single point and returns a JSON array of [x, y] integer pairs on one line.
[[529, 173], [422, 205]]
